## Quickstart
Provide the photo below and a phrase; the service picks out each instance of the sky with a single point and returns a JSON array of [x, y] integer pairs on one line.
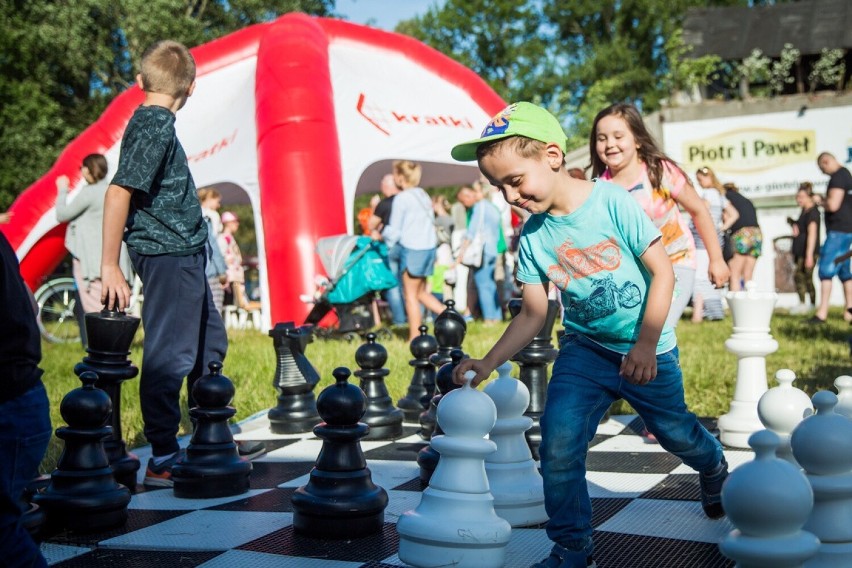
[[383, 14]]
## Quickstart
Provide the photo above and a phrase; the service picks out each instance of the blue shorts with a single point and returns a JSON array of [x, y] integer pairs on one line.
[[418, 263], [836, 243]]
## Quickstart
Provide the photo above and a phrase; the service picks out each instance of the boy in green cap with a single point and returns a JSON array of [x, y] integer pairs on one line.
[[594, 242]]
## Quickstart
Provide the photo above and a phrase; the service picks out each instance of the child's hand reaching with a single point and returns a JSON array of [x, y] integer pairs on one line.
[[639, 366], [482, 370]]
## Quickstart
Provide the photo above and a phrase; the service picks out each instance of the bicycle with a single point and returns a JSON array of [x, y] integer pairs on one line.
[[58, 302]]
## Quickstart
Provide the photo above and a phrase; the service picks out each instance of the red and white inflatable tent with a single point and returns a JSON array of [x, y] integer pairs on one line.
[[295, 116]]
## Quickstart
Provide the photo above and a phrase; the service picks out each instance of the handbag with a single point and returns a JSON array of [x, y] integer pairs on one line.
[[472, 256]]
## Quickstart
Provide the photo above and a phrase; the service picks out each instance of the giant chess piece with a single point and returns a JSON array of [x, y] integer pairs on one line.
[[533, 361], [781, 409], [110, 334], [751, 343], [295, 379], [427, 457], [455, 523], [843, 384], [768, 500], [83, 495], [212, 466], [822, 444], [340, 501], [383, 418], [450, 329], [416, 398], [516, 484]]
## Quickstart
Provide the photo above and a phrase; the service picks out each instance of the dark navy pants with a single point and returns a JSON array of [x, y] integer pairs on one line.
[[183, 333]]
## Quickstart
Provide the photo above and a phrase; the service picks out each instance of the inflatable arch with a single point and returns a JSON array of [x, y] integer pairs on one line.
[[300, 114]]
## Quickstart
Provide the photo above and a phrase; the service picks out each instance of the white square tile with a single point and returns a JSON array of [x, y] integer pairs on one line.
[[682, 520], [616, 424], [626, 443], [735, 460], [165, 500], [55, 553], [621, 485], [202, 530]]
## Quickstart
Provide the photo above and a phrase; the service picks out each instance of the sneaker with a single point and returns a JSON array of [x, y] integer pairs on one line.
[[711, 489], [161, 475], [814, 320], [250, 449], [648, 437], [561, 557]]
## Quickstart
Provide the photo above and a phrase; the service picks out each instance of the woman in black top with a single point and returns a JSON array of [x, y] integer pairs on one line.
[[746, 238], [806, 243]]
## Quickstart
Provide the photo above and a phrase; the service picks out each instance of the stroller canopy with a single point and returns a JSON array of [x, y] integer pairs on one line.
[[334, 252], [355, 265]]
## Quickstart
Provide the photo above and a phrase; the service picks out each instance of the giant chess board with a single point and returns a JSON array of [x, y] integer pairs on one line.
[[645, 502]]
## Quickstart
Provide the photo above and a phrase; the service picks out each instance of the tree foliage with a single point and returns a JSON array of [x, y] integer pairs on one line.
[[573, 56], [62, 61]]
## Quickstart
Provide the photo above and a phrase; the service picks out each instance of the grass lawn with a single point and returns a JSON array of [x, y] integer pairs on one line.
[[817, 354]]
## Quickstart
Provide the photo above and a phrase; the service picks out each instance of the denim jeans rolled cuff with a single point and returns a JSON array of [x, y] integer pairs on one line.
[[836, 243], [585, 381]]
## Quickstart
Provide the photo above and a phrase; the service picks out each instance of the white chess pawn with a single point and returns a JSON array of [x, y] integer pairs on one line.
[[455, 523], [843, 384], [781, 409], [822, 444], [768, 500], [513, 476]]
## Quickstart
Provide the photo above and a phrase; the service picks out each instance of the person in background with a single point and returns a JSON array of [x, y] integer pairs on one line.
[[746, 238], [485, 221], [458, 212], [805, 246], [84, 234], [504, 267], [366, 213], [377, 224], [838, 236], [706, 299], [577, 173], [623, 151], [24, 410], [412, 226], [216, 269]]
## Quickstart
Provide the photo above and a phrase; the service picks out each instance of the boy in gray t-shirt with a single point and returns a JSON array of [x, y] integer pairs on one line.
[[153, 196]]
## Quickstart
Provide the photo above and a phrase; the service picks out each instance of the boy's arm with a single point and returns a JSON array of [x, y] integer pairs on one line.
[[689, 199], [639, 366], [115, 290], [522, 329]]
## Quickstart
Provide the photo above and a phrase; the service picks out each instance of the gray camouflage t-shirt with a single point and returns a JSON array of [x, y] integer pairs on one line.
[[165, 216]]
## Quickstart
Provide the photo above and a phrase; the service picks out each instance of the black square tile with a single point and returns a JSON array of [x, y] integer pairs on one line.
[[680, 487], [268, 474], [287, 542], [272, 501], [611, 551], [632, 462], [396, 451]]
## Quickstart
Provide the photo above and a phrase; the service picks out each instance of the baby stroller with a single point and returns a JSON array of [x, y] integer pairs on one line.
[[357, 269]]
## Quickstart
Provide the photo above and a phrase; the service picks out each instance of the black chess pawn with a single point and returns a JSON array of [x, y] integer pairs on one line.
[[83, 495], [110, 334], [427, 457], [383, 418], [532, 363], [340, 501], [415, 400], [295, 380], [450, 329], [212, 466]]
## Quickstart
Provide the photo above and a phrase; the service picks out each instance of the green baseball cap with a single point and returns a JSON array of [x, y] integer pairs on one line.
[[517, 119]]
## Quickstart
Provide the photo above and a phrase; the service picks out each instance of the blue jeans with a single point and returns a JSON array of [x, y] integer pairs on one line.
[[394, 295], [486, 288], [24, 433], [585, 382], [836, 243]]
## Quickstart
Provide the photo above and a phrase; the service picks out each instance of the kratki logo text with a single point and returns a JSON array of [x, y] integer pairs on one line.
[[214, 149], [385, 120]]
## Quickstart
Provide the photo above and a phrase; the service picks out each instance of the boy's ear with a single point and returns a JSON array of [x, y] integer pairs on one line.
[[190, 89], [139, 81], [554, 155]]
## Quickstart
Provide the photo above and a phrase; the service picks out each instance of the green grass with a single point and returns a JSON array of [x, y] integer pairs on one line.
[[817, 354]]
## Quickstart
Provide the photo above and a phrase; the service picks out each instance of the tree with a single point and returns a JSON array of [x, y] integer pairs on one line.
[[62, 62]]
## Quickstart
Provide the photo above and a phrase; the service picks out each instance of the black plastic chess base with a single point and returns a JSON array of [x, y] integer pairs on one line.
[[203, 482]]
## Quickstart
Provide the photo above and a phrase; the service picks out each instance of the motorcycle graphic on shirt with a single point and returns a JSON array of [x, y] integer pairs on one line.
[[605, 299]]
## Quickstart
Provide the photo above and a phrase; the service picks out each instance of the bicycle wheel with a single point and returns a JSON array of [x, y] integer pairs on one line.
[[56, 319]]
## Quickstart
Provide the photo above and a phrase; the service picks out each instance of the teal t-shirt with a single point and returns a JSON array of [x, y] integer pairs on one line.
[[592, 256], [165, 216]]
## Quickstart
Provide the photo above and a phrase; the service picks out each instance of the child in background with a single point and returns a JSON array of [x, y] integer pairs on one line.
[[593, 241], [624, 152]]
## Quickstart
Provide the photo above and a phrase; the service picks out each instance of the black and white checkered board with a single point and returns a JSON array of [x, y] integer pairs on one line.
[[645, 502]]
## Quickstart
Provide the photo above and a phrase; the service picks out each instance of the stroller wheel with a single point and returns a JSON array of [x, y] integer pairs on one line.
[[350, 337], [384, 334]]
